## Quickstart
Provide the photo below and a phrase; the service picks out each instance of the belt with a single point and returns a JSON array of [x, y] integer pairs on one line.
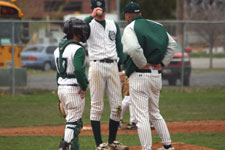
[[105, 60], [150, 68], [148, 71], [68, 84]]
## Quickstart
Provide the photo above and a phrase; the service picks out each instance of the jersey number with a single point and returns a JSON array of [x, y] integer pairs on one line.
[[62, 66]]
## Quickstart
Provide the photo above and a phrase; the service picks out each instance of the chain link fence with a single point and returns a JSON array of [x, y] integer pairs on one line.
[[199, 59]]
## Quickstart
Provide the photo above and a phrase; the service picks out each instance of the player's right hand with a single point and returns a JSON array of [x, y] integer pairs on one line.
[[98, 14], [82, 93]]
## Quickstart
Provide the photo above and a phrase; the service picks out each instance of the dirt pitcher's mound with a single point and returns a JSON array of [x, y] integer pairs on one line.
[[174, 127], [177, 146]]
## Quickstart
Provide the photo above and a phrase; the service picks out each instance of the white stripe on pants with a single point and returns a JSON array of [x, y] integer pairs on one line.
[[145, 90]]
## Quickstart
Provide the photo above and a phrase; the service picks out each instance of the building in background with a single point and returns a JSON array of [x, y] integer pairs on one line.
[[40, 33], [56, 9]]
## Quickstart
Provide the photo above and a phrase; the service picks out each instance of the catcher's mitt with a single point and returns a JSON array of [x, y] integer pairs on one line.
[[61, 109], [125, 86]]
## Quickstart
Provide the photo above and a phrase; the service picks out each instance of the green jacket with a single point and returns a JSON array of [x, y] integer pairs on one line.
[[151, 45]]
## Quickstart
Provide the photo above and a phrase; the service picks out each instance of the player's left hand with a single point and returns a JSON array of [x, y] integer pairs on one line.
[[154, 66], [158, 67], [82, 93]]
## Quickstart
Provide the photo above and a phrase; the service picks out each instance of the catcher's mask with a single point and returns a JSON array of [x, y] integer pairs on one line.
[[75, 27]]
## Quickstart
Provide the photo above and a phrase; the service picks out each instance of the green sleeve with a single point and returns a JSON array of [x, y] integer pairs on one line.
[[119, 46], [88, 20], [79, 71], [57, 78]]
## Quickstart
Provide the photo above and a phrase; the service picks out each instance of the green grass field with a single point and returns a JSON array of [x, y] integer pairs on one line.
[[52, 142], [40, 108]]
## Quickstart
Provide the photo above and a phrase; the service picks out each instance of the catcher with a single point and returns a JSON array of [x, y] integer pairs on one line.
[[72, 81]]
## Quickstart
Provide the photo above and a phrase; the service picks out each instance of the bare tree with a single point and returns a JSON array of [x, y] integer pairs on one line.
[[207, 10]]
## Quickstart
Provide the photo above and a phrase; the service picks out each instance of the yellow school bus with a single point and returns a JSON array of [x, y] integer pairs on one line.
[[9, 11]]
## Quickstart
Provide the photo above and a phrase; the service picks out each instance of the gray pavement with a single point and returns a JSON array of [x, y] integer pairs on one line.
[[200, 76], [203, 63]]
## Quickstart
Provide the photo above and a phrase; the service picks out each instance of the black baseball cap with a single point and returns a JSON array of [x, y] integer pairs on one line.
[[98, 3], [132, 7]]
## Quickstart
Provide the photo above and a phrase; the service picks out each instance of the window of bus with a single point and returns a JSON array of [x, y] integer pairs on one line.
[[6, 33], [7, 13], [9, 28]]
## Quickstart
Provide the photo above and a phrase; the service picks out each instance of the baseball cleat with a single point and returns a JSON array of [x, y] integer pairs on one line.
[[163, 148], [64, 145], [103, 146], [118, 146], [152, 126], [131, 126], [121, 124]]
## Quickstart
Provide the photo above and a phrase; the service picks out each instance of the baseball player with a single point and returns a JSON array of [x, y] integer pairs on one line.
[[104, 49], [149, 47], [72, 81], [125, 105]]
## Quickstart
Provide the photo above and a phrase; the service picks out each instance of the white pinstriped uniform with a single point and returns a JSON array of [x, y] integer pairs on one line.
[[68, 95], [103, 76], [145, 90], [100, 46]]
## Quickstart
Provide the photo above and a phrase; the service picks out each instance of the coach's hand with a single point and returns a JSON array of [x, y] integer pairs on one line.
[[82, 93]]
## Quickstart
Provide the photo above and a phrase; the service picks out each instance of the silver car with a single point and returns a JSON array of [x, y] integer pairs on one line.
[[39, 56]]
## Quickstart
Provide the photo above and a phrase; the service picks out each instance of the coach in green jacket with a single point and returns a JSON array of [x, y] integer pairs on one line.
[[149, 47]]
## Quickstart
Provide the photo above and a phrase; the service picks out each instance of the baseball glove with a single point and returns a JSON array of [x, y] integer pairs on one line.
[[125, 86], [61, 109]]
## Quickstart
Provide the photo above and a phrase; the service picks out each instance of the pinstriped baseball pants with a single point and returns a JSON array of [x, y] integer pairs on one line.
[[73, 106], [145, 91], [104, 77]]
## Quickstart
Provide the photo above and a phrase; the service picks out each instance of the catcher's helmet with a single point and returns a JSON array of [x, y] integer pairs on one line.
[[75, 27]]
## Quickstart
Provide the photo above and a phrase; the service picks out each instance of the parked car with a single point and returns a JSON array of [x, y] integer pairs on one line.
[[173, 71], [39, 56]]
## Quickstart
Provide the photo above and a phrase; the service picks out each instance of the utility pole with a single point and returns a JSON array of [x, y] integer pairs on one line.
[[109, 5], [181, 27], [118, 8], [180, 16]]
